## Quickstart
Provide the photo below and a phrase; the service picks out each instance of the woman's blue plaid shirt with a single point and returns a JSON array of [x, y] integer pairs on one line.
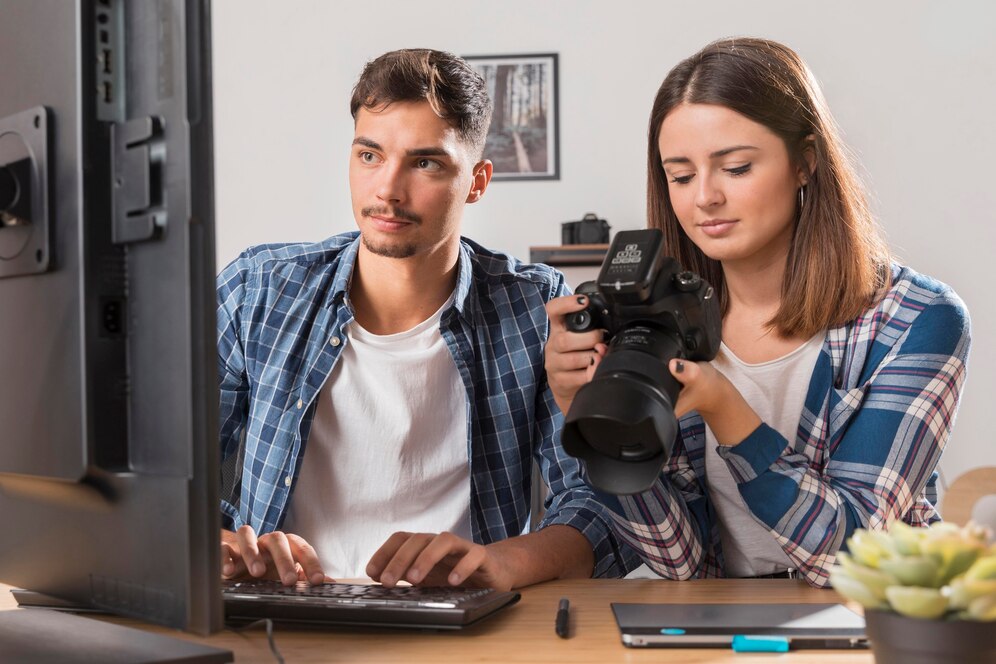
[[878, 412], [281, 310]]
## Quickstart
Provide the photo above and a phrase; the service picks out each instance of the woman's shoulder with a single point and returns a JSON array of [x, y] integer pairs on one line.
[[918, 301], [912, 290]]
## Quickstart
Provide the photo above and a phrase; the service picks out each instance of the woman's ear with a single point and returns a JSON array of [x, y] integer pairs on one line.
[[808, 166]]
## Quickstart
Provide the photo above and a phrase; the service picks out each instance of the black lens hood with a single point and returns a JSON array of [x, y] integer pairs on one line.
[[625, 401]]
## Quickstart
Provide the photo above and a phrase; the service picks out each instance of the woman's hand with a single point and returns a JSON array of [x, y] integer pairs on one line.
[[571, 357], [708, 391]]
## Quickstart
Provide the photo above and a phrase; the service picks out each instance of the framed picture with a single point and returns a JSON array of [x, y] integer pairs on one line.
[[522, 141]]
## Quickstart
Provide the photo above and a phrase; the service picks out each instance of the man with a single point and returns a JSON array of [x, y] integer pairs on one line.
[[387, 386]]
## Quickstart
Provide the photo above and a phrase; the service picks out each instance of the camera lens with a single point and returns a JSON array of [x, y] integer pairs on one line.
[[628, 443], [622, 423]]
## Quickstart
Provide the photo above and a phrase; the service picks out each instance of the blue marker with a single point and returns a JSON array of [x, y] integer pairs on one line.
[[747, 643]]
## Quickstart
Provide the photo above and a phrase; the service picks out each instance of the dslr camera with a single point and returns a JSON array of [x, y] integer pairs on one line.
[[622, 423], [590, 230]]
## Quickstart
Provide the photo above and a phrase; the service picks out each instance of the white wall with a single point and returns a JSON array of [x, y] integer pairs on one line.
[[912, 85]]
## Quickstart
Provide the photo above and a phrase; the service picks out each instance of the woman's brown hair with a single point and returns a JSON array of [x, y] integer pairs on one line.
[[837, 263]]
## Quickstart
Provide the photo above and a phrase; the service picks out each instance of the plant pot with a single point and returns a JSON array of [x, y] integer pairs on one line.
[[896, 639]]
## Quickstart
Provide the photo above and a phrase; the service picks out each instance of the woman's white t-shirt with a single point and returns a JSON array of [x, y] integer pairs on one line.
[[776, 390]]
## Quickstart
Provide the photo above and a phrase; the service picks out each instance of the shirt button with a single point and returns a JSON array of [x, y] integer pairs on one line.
[[287, 481], [335, 341], [300, 404]]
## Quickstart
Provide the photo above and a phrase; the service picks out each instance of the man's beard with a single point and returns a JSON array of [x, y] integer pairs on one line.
[[389, 250], [386, 249]]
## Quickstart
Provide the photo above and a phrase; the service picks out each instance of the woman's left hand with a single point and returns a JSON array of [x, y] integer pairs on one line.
[[708, 391]]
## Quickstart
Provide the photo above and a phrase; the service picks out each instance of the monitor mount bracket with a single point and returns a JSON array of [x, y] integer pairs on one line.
[[138, 172], [24, 209]]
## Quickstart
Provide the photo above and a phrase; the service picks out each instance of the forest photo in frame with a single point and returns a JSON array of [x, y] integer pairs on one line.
[[522, 142]]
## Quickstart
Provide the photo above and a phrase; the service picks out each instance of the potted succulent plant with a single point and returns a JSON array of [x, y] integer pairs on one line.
[[929, 593]]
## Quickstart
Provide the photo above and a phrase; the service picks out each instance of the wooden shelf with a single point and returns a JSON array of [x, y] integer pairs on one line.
[[569, 254]]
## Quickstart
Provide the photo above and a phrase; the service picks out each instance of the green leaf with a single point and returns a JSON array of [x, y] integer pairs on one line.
[[963, 592], [907, 539], [953, 553], [958, 563], [912, 570], [855, 590], [943, 529], [876, 581], [917, 602], [870, 547], [983, 608], [845, 560], [982, 569]]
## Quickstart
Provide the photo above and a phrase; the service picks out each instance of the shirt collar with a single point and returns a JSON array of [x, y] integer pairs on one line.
[[344, 271], [463, 299]]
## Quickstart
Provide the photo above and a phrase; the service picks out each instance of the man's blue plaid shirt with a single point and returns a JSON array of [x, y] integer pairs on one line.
[[281, 311]]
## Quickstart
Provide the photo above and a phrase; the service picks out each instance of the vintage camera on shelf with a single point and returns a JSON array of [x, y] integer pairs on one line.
[[622, 423], [590, 230]]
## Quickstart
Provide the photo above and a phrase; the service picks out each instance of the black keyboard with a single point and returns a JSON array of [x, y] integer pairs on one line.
[[357, 604]]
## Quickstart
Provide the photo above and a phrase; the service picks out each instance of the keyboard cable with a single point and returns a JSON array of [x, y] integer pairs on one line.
[[269, 635]]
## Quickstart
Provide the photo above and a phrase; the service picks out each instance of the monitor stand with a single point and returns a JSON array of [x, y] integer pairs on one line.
[[43, 635]]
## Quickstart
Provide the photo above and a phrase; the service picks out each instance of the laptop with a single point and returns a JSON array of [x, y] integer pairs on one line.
[[742, 627], [334, 604]]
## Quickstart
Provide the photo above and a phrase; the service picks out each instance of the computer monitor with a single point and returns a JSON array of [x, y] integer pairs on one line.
[[108, 369]]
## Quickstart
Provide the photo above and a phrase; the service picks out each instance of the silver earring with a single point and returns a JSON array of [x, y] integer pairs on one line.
[[802, 197]]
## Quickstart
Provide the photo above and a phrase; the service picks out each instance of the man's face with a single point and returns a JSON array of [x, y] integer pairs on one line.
[[410, 175]]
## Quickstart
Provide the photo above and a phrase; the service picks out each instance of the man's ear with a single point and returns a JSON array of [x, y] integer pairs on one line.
[[808, 166], [482, 177]]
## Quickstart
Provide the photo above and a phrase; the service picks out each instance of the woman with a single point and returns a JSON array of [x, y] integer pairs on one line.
[[839, 376]]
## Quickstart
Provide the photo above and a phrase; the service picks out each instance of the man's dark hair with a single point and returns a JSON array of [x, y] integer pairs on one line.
[[456, 92]]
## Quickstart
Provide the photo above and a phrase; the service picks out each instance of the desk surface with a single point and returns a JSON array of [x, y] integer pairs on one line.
[[524, 632]]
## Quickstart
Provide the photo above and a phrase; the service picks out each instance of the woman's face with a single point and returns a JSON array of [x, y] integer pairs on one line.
[[731, 183]]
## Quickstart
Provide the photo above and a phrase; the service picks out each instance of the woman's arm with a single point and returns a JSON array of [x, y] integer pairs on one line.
[[883, 436], [670, 525]]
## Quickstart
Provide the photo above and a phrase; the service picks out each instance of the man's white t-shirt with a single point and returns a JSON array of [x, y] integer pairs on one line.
[[776, 390], [388, 449]]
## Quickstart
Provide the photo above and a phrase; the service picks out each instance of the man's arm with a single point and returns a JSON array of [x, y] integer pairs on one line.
[[233, 383], [428, 559], [274, 555], [555, 552]]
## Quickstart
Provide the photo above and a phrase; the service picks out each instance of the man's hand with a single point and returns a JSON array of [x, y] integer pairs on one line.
[[428, 559], [275, 555]]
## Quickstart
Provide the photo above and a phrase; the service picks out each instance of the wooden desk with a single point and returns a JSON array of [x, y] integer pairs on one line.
[[524, 632]]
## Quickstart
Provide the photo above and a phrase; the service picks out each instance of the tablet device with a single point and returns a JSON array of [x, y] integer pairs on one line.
[[743, 627]]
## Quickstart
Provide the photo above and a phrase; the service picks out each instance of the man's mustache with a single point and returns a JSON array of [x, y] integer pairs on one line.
[[395, 213]]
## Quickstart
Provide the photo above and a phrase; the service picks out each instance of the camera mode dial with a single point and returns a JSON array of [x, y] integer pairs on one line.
[[687, 281]]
